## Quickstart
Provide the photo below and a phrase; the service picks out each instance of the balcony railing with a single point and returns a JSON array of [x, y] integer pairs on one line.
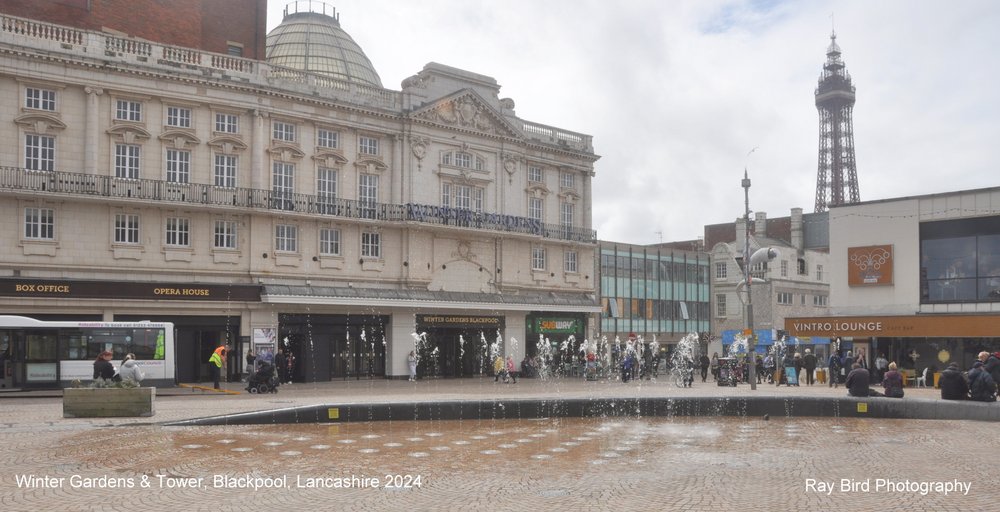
[[77, 184]]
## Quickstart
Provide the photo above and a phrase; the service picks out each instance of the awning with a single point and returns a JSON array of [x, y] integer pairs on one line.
[[426, 299]]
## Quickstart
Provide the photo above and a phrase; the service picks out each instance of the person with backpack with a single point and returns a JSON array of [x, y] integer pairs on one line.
[[982, 387]]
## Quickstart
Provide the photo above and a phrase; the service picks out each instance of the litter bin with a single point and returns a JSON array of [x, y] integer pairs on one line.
[[727, 371]]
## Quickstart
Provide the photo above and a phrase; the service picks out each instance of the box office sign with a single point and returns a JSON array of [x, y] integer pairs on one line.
[[869, 266], [39, 288], [459, 322], [557, 325]]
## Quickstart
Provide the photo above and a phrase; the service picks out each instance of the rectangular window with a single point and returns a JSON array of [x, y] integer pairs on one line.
[[127, 158], [227, 123], [721, 270], [537, 258], [39, 223], [567, 180], [535, 174], [178, 232], [39, 152], [40, 99], [286, 238], [820, 300], [283, 185], [819, 272], [569, 261], [179, 117], [720, 305], [326, 189], [327, 139], [367, 145], [463, 160], [535, 208], [785, 298], [126, 228], [566, 214], [784, 268], [126, 110], [329, 242], [234, 50], [371, 245], [803, 271], [225, 234], [283, 131], [178, 166], [368, 194], [225, 170]]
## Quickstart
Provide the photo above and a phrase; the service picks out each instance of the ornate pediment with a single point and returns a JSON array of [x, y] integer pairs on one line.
[[468, 111], [285, 152], [227, 143], [537, 190], [570, 196], [370, 165], [40, 123], [129, 133], [179, 138], [329, 158]]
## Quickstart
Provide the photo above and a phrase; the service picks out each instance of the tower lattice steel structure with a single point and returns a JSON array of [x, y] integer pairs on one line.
[[837, 174]]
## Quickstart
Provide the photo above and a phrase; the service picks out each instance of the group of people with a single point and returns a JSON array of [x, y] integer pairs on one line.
[[979, 383], [504, 368], [128, 370]]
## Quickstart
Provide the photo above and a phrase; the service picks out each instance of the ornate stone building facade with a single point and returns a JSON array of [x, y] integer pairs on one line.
[[259, 203]]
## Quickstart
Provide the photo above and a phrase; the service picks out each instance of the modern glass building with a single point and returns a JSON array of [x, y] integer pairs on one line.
[[653, 290]]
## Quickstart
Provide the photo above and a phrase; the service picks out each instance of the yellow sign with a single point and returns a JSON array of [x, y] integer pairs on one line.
[[862, 407], [333, 413], [747, 332]]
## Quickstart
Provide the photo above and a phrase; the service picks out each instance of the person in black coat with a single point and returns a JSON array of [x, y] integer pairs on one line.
[[857, 382], [991, 364], [103, 369], [809, 363], [281, 366], [982, 388], [953, 384]]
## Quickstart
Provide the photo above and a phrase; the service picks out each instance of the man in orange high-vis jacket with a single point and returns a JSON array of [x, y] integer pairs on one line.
[[217, 362]]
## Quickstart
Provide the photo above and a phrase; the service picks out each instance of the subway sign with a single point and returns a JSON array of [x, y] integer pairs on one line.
[[557, 325]]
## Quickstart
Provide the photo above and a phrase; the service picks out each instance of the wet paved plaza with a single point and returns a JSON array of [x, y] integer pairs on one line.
[[544, 464], [716, 464]]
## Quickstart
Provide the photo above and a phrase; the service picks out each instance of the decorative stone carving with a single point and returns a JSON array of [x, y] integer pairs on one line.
[[469, 112]]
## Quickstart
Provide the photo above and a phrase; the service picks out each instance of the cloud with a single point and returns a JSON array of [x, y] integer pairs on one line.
[[676, 93]]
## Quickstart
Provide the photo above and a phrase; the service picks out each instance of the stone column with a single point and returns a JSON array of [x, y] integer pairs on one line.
[[258, 151], [90, 144]]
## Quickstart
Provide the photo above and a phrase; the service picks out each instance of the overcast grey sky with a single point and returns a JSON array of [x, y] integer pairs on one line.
[[677, 92]]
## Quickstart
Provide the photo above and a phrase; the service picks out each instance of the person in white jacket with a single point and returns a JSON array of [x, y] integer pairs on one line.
[[130, 370]]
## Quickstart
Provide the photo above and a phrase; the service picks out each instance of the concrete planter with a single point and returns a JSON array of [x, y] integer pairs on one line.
[[108, 402]]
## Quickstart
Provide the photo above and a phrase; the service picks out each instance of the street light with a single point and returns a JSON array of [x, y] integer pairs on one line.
[[762, 255]]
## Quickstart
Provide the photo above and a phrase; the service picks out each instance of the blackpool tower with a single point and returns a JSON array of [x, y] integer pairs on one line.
[[837, 174]]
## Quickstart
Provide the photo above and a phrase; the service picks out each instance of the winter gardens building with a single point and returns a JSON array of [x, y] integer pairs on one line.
[[292, 200]]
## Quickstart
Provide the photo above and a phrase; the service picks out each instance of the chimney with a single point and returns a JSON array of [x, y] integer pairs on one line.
[[797, 240], [760, 224]]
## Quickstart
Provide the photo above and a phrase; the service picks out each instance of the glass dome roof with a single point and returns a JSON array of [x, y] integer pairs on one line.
[[314, 42]]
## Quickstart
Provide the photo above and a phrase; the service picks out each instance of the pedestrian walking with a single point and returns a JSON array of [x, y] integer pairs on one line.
[[511, 369], [835, 369], [809, 363], [411, 361]]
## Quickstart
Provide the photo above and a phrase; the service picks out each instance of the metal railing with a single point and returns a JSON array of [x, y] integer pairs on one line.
[[78, 184]]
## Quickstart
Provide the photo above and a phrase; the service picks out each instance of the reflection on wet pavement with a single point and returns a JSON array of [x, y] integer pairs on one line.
[[686, 463]]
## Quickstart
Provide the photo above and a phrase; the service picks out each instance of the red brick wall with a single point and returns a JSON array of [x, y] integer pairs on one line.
[[202, 24]]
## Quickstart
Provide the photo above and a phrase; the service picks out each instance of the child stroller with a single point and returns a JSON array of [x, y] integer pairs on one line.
[[263, 380]]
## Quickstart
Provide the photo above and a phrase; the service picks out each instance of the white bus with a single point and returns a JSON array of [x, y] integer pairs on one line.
[[40, 354]]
